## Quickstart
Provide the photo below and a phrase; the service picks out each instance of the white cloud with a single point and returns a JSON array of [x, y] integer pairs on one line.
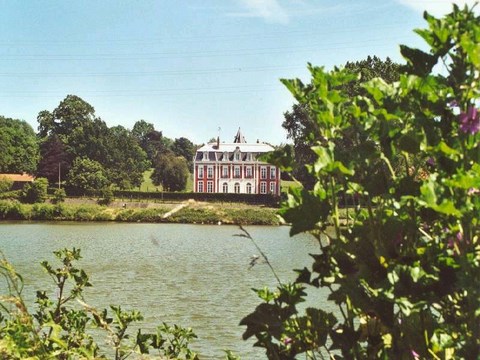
[[269, 10], [435, 7]]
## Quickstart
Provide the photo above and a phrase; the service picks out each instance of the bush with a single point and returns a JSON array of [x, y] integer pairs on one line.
[[141, 215], [403, 268], [106, 196], [59, 196], [13, 210], [35, 192], [5, 184], [43, 212]]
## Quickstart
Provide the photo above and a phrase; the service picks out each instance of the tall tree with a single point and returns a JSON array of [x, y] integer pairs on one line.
[[86, 175], [171, 172], [185, 148], [18, 147], [149, 139], [54, 161], [126, 161]]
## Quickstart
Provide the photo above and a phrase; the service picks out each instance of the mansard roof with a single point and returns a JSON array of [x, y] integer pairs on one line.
[[230, 148]]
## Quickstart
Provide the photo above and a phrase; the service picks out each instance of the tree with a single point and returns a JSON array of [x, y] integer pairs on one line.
[[149, 139], [19, 147], [35, 192], [74, 123], [403, 266], [5, 184], [171, 172], [185, 148], [126, 161], [72, 131], [54, 160], [86, 176], [301, 125]]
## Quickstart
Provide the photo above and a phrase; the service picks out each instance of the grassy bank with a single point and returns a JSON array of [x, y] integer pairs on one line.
[[190, 212]]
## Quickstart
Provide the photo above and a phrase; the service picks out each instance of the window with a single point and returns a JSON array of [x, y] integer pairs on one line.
[[272, 188], [225, 187], [210, 172], [249, 157], [273, 172], [263, 187], [205, 156], [225, 171], [236, 171], [249, 188], [200, 172], [248, 172], [263, 172], [200, 186], [237, 156], [237, 188], [209, 186], [225, 156]]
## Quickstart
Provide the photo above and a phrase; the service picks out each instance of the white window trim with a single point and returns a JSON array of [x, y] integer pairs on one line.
[[263, 187]]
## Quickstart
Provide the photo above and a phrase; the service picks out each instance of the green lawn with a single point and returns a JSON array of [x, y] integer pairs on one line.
[[147, 184]]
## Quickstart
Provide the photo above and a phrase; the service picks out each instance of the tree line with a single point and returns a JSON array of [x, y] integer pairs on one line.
[[76, 147]]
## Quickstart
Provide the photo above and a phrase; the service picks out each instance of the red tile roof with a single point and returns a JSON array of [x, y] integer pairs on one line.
[[18, 177]]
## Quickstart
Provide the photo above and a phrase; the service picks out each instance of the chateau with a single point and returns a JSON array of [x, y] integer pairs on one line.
[[235, 168]]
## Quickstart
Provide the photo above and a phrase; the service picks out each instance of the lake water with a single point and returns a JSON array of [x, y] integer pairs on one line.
[[193, 275]]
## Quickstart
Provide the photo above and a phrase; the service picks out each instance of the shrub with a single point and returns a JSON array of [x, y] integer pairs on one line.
[[402, 269], [35, 192], [13, 210], [5, 184], [43, 212], [106, 196], [59, 196]]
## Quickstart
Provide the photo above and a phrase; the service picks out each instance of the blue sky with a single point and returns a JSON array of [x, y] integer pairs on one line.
[[189, 67]]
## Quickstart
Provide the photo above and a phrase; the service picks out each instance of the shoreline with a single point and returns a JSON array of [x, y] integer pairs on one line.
[[187, 212]]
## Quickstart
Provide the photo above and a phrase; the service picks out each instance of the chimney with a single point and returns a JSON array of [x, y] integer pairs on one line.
[[218, 142]]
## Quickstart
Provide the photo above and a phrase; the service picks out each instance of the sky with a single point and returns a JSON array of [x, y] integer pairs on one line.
[[193, 68]]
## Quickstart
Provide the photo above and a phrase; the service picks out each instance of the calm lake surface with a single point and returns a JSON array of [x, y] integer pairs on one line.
[[193, 275]]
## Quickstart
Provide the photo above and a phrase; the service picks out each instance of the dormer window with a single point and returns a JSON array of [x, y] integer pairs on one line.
[[237, 156], [225, 156], [205, 156], [249, 156]]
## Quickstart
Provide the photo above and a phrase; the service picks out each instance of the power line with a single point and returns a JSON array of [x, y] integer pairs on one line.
[[197, 38], [238, 69], [209, 53]]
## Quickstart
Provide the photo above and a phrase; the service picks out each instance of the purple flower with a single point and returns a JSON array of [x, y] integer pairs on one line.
[[415, 354], [470, 121], [287, 341], [431, 161]]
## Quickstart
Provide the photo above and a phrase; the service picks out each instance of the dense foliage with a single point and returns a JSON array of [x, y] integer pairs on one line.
[[301, 125], [171, 172], [18, 147], [72, 131], [404, 268]]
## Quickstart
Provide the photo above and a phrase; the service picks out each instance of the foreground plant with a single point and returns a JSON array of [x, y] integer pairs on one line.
[[61, 327], [404, 267]]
